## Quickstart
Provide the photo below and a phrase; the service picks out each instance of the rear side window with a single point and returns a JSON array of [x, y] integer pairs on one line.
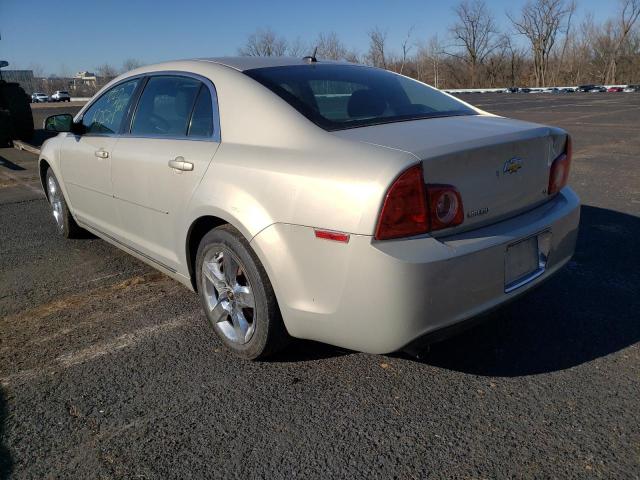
[[202, 118], [106, 113], [165, 106]]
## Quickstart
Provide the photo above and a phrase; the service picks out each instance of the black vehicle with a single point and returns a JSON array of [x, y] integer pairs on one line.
[[586, 88]]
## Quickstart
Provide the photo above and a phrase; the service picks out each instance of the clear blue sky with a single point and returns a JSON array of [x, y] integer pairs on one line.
[[68, 36]]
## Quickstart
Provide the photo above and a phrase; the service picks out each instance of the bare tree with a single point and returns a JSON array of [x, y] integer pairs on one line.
[[130, 64], [406, 47], [330, 47], [377, 44], [428, 61], [298, 48], [542, 21], [106, 70], [474, 34], [629, 13], [515, 58], [264, 43]]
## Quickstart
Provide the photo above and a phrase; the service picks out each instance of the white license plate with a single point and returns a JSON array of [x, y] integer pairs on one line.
[[522, 261]]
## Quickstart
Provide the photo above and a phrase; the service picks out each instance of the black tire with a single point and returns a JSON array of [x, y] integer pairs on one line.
[[64, 221], [5, 128], [269, 334]]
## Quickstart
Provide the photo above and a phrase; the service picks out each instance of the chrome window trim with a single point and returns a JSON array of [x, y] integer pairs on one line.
[[215, 137]]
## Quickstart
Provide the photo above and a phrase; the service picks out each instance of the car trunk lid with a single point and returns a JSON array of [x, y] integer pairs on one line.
[[500, 166]]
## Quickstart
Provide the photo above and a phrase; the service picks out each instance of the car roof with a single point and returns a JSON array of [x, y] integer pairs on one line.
[[249, 63]]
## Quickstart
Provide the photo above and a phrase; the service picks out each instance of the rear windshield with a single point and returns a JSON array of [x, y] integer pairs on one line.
[[337, 97]]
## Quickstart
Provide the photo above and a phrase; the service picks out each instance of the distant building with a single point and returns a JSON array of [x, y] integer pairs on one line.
[[84, 79]]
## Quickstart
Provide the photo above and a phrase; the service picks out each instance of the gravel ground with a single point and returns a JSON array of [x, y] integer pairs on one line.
[[108, 369]]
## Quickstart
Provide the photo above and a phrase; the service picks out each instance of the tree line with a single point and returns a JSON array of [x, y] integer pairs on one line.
[[542, 45]]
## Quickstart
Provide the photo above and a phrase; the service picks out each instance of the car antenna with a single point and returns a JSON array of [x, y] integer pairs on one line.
[[312, 58]]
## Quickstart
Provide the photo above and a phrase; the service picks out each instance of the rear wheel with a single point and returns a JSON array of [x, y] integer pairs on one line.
[[237, 296], [65, 224]]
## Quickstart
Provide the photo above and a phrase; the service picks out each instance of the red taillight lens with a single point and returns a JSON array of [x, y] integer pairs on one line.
[[404, 212], [559, 173], [445, 206], [411, 208]]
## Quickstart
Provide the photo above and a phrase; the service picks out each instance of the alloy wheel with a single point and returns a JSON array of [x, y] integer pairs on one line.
[[228, 294], [55, 199]]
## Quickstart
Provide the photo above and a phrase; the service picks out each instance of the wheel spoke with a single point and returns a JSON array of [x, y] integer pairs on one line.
[[220, 311], [243, 296], [211, 270], [230, 269], [240, 324]]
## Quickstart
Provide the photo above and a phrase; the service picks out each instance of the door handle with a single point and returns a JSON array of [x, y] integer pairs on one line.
[[101, 154], [179, 163]]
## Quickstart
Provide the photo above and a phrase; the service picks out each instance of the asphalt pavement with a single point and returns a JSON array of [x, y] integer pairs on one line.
[[109, 369]]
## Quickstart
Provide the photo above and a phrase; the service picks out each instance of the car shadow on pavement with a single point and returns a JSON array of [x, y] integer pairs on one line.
[[307, 350], [588, 310], [6, 463]]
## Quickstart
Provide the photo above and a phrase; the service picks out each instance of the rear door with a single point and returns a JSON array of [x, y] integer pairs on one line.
[[86, 159], [157, 165]]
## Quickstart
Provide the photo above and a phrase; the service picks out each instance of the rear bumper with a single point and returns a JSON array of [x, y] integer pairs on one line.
[[379, 297]]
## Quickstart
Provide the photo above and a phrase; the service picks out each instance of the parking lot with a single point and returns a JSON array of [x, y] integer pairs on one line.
[[109, 370]]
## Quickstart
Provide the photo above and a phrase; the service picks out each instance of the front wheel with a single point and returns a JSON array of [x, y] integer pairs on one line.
[[65, 223], [237, 296]]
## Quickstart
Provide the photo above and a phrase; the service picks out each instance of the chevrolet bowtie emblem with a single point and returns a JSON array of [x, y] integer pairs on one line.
[[512, 165]]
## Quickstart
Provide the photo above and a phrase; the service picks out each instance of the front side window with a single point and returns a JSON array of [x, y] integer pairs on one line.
[[336, 97], [165, 106], [105, 115]]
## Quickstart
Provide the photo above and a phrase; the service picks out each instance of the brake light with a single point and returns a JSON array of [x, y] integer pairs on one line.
[[411, 208], [404, 211], [559, 172]]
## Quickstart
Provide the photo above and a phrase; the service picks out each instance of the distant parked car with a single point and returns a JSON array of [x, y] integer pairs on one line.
[[567, 90], [61, 96], [598, 90], [586, 88], [39, 97], [524, 90], [615, 89], [631, 88]]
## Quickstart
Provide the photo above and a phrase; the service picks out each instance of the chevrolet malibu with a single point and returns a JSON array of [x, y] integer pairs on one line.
[[327, 201]]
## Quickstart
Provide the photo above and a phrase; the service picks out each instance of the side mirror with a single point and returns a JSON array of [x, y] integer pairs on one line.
[[59, 123]]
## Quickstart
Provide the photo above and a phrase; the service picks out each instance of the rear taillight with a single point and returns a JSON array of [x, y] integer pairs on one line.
[[404, 212], [559, 173], [413, 208]]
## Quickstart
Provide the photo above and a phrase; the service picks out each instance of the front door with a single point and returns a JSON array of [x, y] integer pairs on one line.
[[86, 159]]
